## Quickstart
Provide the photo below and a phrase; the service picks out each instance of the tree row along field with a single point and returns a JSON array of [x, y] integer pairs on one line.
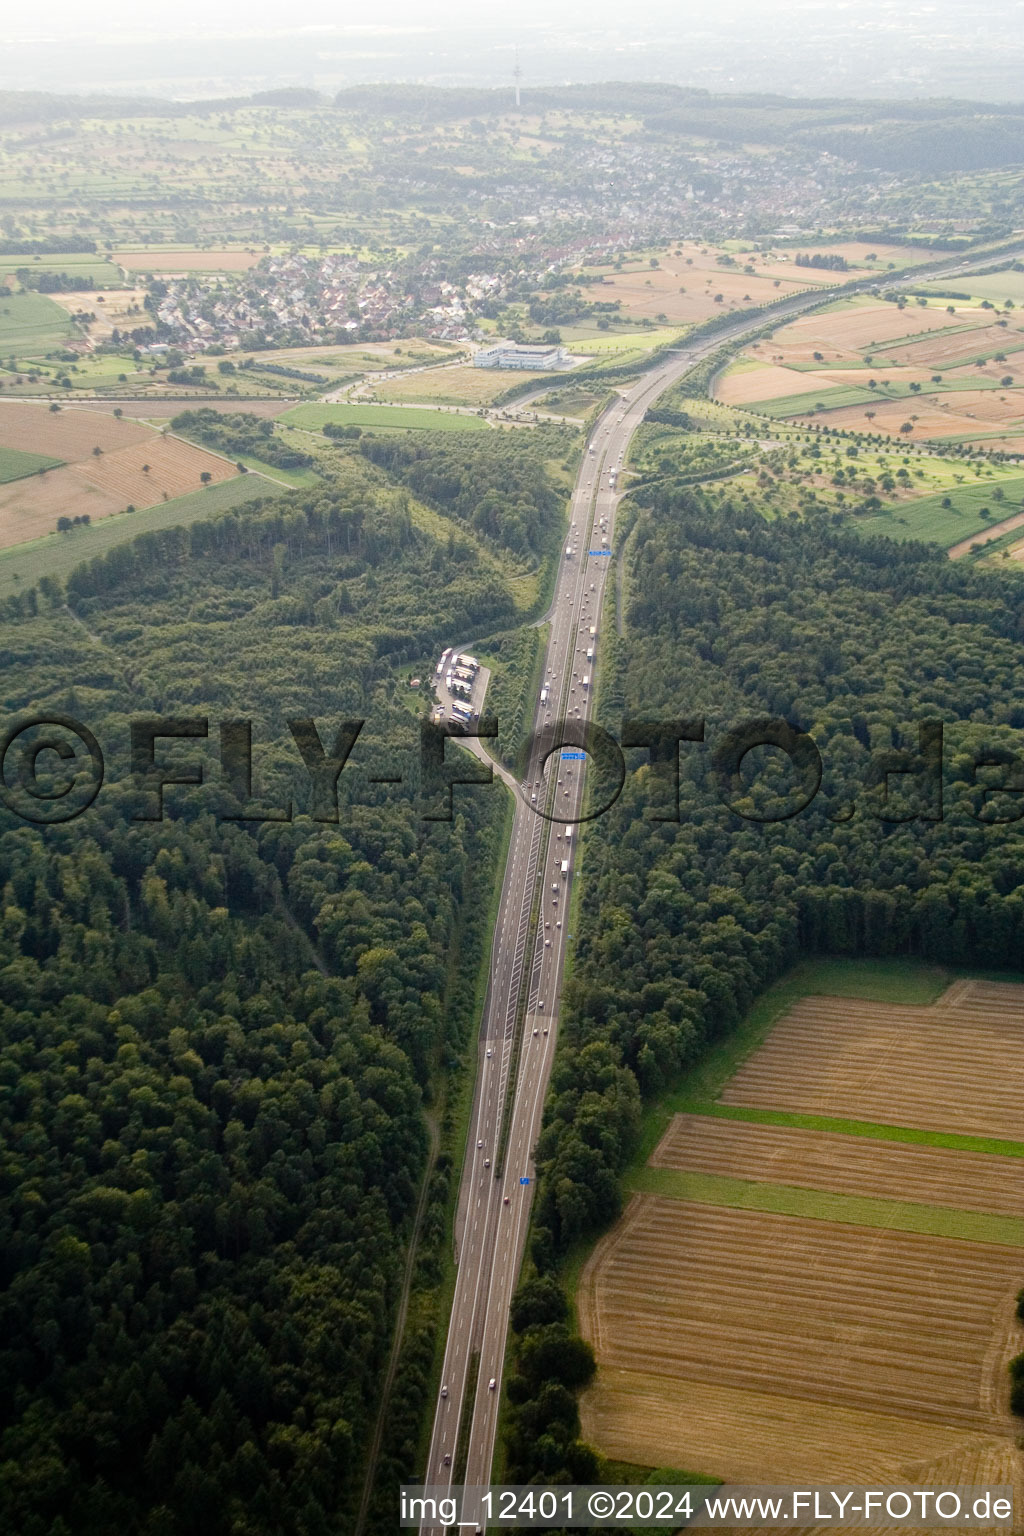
[[850, 1350]]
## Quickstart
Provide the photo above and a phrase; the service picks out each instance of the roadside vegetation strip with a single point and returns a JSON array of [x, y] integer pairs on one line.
[[827, 1205], [386, 417], [58, 555]]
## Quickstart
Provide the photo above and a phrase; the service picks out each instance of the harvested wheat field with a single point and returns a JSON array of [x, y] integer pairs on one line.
[[942, 1068], [64, 434], [684, 294], [30, 508], [171, 263], [964, 413], [766, 1347], [853, 1165], [115, 308], [957, 348], [174, 468], [844, 332], [162, 407]]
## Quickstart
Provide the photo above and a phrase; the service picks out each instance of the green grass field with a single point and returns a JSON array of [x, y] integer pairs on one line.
[[929, 519], [59, 554], [30, 322], [997, 287], [383, 417], [294, 478], [621, 341], [82, 266], [16, 465]]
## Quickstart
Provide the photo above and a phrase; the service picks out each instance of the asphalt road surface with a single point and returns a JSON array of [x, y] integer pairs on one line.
[[529, 949]]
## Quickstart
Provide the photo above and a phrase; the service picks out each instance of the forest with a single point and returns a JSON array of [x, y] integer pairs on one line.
[[218, 1038], [241, 432], [499, 486]]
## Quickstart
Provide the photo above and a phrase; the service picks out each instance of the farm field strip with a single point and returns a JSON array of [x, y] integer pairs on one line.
[[833, 1056], [746, 1435], [838, 1314], [826, 1205], [852, 1165]]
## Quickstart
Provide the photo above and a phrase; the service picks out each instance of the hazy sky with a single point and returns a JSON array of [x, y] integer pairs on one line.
[[196, 47]]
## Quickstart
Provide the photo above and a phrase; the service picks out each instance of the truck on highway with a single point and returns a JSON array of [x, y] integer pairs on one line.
[[586, 680], [593, 631], [568, 551], [568, 834], [590, 653], [543, 695], [565, 868]]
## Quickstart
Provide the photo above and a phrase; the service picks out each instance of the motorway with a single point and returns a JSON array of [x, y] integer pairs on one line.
[[528, 953]]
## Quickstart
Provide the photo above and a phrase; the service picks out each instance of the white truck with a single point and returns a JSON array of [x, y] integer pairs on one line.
[[568, 551], [543, 695], [586, 680], [590, 653], [565, 868]]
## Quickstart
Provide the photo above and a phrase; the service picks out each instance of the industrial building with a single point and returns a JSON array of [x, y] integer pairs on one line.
[[513, 354]]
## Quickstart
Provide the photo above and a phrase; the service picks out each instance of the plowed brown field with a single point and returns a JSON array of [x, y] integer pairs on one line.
[[853, 1165], [944, 1068], [64, 434]]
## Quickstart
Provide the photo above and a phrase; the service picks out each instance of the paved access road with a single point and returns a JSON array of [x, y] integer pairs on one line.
[[529, 948]]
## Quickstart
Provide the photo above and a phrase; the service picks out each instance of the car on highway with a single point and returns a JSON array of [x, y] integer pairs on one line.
[[536, 1033], [492, 1384], [505, 1201], [447, 1458], [489, 1051], [487, 1162], [444, 1391], [479, 1144]]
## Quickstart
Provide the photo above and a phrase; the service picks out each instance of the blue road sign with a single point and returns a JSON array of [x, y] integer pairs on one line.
[[524, 1180]]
